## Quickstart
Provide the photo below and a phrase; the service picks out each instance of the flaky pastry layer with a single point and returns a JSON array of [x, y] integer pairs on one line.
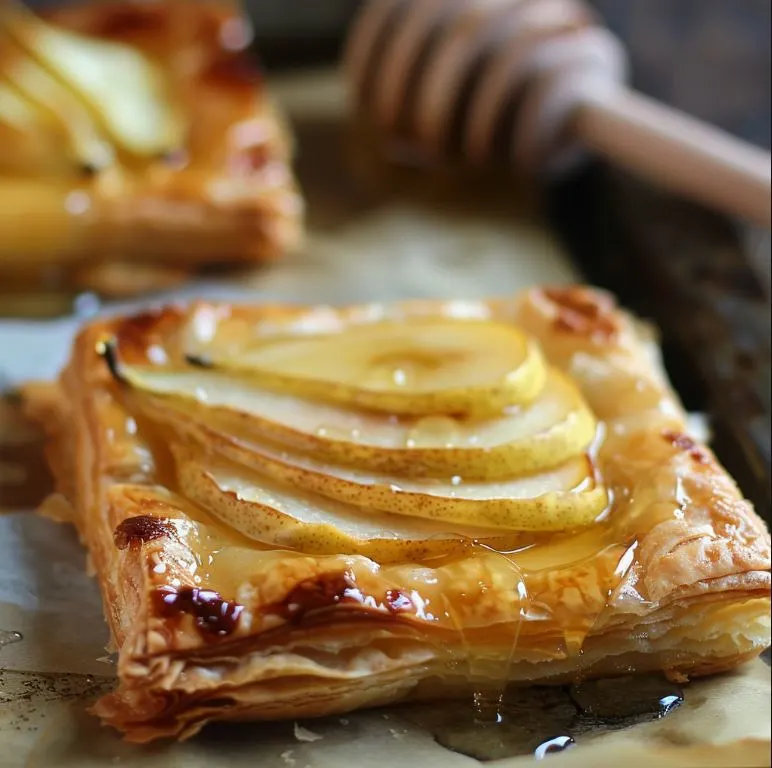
[[225, 195], [675, 576]]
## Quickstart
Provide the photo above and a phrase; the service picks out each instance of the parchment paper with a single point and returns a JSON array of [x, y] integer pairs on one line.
[[374, 234]]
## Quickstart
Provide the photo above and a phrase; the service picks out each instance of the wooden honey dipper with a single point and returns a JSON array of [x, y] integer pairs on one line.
[[548, 79]]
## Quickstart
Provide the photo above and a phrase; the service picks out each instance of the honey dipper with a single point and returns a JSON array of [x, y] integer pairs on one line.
[[548, 79]]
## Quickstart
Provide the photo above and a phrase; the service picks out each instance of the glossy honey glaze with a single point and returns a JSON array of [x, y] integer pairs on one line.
[[551, 586]]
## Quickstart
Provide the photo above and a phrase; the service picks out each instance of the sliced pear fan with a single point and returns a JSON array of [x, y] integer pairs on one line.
[[128, 94], [431, 365], [545, 433], [273, 513], [535, 473], [561, 498], [42, 101]]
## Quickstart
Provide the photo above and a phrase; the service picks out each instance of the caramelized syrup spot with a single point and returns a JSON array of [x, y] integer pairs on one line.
[[211, 613], [330, 589], [583, 312], [685, 443], [135, 531], [679, 440], [316, 593]]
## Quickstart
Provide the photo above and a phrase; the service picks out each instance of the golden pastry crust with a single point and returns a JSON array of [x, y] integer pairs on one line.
[[675, 577], [225, 195]]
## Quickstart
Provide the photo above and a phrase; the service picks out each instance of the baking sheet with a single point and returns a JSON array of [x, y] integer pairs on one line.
[[374, 234]]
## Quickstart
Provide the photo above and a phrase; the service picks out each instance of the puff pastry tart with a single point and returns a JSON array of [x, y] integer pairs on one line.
[[297, 512], [137, 144]]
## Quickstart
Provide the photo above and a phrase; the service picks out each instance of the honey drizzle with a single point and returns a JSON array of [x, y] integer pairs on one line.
[[488, 702]]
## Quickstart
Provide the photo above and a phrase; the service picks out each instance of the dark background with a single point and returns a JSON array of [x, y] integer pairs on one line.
[[710, 57]]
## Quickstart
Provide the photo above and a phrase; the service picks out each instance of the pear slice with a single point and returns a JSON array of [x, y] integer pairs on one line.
[[544, 433], [42, 101], [272, 513], [28, 142], [427, 366], [566, 497], [127, 93]]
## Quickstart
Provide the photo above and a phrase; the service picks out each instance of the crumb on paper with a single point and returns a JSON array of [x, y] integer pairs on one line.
[[287, 757], [344, 721], [303, 734]]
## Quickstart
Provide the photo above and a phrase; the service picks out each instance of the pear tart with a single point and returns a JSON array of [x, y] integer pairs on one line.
[[137, 144], [296, 512]]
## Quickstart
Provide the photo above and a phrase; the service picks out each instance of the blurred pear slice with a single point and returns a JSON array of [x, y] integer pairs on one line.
[[273, 513], [426, 366], [127, 93], [67, 125], [28, 142], [544, 433], [562, 498]]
